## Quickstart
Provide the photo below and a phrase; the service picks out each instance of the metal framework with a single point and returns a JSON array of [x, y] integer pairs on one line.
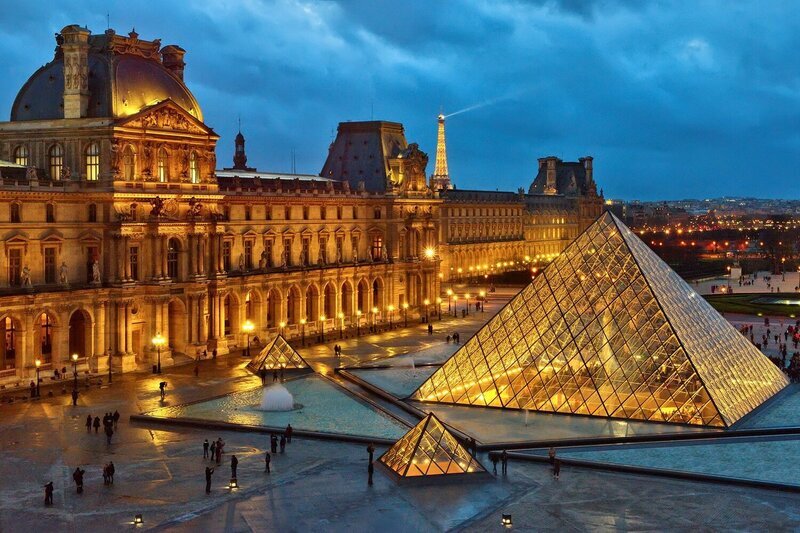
[[277, 354]]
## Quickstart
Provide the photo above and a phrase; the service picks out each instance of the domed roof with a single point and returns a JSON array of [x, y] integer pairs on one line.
[[122, 81]]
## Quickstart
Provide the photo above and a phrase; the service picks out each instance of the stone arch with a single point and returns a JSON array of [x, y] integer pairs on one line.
[[329, 300], [252, 305], [273, 308], [178, 331], [10, 342], [362, 296], [293, 305], [347, 298], [378, 293], [231, 324], [45, 336], [312, 310], [80, 334]]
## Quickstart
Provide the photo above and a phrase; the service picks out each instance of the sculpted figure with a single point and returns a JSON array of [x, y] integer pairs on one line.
[[63, 273]]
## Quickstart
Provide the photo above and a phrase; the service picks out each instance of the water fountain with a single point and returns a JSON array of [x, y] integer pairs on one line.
[[276, 398]]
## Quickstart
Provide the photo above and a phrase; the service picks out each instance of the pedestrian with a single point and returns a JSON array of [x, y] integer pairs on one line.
[[288, 433], [33, 389], [430, 329], [205, 449], [214, 353], [273, 443], [370, 451], [163, 388], [283, 443], [209, 471], [77, 477], [281, 374], [219, 451], [109, 434], [448, 339], [504, 461], [205, 354], [234, 465], [213, 449], [551, 453], [48, 493], [96, 424], [197, 369], [556, 467], [494, 463], [115, 417], [267, 461], [89, 423], [263, 374], [111, 471], [274, 375], [74, 397], [105, 474], [370, 470]]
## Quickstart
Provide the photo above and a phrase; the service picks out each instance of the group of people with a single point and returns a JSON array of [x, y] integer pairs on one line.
[[108, 473], [337, 350], [262, 373], [456, 338], [274, 442], [503, 459], [110, 421], [216, 449]]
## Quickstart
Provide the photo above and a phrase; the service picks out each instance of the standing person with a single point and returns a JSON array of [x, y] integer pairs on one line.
[[288, 433], [77, 476], [33, 389], [213, 449], [214, 353], [205, 449], [197, 368], [370, 470], [209, 471], [274, 375], [163, 388], [556, 467], [263, 374], [74, 397], [267, 461], [504, 461], [494, 459], [234, 465], [96, 424], [283, 443], [551, 454], [109, 433], [105, 474], [48, 493], [273, 443], [219, 451], [111, 471], [115, 416], [89, 423], [370, 451]]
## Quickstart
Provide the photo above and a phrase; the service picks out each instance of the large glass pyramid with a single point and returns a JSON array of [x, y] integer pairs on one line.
[[608, 329], [429, 449], [276, 355]]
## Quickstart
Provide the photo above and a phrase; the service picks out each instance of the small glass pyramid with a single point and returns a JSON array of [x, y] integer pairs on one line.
[[608, 329], [277, 354], [429, 449]]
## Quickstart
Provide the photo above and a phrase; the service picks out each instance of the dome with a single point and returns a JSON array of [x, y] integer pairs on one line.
[[122, 81]]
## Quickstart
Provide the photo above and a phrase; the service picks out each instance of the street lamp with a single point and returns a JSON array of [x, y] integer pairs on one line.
[[281, 326], [390, 308], [405, 313], [248, 328], [430, 253], [158, 342], [375, 319], [341, 325], [75, 372], [449, 296], [38, 364], [467, 297], [483, 299], [455, 305], [439, 307], [322, 324], [426, 302], [358, 323], [303, 331]]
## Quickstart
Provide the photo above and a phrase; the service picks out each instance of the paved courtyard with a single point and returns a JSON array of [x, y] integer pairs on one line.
[[315, 485]]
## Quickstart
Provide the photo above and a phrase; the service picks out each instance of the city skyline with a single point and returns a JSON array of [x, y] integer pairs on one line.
[[696, 102]]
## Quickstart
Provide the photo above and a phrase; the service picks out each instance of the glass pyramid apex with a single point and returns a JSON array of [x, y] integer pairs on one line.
[[276, 355], [608, 329], [429, 449]]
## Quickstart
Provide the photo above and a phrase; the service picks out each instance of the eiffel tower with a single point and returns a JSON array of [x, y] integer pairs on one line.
[[441, 176]]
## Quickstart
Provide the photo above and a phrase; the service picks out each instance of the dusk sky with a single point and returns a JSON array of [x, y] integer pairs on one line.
[[673, 99]]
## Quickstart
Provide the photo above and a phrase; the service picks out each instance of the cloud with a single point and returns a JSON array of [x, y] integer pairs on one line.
[[673, 99]]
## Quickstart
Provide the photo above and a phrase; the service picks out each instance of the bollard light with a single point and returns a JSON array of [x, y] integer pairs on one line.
[[506, 520], [233, 484], [137, 519]]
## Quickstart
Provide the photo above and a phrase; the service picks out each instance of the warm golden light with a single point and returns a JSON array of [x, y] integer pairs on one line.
[[438, 300], [322, 317], [341, 315], [38, 363], [358, 313], [430, 252], [426, 301], [248, 326], [390, 308], [405, 305], [75, 357], [374, 310], [302, 321], [282, 325], [449, 292], [158, 340]]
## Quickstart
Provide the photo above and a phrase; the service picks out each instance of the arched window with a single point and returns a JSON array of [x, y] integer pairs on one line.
[[162, 165], [8, 328], [128, 163], [172, 259], [55, 161], [194, 170], [226, 327], [93, 162], [46, 334], [21, 155]]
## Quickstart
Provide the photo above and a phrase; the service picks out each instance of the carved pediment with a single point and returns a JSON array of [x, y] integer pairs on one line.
[[166, 115]]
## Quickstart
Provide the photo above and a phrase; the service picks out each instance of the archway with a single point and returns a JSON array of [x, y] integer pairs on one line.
[[252, 306], [293, 306], [329, 305], [176, 312], [362, 302], [80, 333], [377, 293], [231, 324], [9, 348], [347, 299], [273, 308], [312, 303], [44, 336]]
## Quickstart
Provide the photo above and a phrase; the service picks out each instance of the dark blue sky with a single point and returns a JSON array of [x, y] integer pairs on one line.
[[673, 99]]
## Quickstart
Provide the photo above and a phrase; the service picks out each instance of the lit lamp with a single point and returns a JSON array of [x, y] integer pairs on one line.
[[137, 519], [75, 372], [38, 363], [483, 299], [158, 342], [248, 328], [358, 322], [506, 521], [233, 484], [430, 253], [467, 297], [322, 325], [455, 305], [390, 308], [405, 313], [341, 324], [374, 318], [449, 297], [303, 331], [426, 303], [282, 325]]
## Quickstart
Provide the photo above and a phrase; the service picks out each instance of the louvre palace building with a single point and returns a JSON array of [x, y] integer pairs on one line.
[[116, 224]]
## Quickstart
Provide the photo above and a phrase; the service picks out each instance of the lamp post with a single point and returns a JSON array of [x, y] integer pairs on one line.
[[483, 299], [282, 325], [426, 303], [390, 308], [158, 342], [341, 325], [38, 364], [322, 326], [303, 331], [405, 314], [248, 328], [358, 322], [75, 372], [449, 297], [439, 307], [467, 297], [375, 319], [455, 305]]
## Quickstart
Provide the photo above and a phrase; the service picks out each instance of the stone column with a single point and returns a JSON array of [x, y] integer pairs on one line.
[[191, 318], [126, 257], [201, 260], [163, 258], [201, 316], [191, 255], [120, 259], [120, 311], [100, 330], [220, 262], [128, 329]]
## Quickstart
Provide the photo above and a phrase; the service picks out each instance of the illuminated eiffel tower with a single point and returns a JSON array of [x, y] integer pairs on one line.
[[441, 176]]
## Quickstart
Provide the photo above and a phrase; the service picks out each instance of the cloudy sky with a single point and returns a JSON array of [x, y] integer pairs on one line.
[[673, 99]]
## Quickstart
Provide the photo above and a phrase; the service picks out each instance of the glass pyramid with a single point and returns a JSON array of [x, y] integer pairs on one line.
[[608, 329], [429, 449], [277, 354]]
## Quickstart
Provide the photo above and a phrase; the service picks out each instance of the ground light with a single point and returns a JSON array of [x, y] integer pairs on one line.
[[233, 484], [506, 520], [137, 519]]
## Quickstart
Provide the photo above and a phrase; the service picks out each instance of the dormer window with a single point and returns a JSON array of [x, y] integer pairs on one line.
[[55, 161], [21, 155]]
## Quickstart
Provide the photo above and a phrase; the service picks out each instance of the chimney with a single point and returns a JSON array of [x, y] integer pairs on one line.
[[587, 165], [172, 59], [75, 47]]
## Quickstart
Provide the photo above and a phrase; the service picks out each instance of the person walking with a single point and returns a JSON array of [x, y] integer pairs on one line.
[[288, 433], [111, 471], [283, 443], [163, 388], [370, 470], [263, 374], [214, 353], [205, 449], [370, 451], [109, 434], [556, 467], [48, 493], [504, 461], [96, 424], [74, 397], [105, 474], [77, 477], [213, 449], [267, 461], [274, 375], [551, 454], [494, 463], [273, 443], [219, 450], [88, 423], [209, 471], [115, 417], [234, 466]]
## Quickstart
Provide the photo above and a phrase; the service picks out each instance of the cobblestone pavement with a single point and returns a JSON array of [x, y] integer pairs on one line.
[[314, 486]]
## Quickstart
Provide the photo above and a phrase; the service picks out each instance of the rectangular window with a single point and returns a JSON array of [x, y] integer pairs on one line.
[[323, 250], [16, 213], [226, 255], [93, 162], [287, 251], [134, 255], [49, 265], [305, 258], [248, 255], [377, 248], [339, 249], [377, 212], [92, 213], [268, 252], [305, 212], [287, 213], [323, 212], [339, 212], [268, 212], [50, 213], [248, 212], [14, 267]]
